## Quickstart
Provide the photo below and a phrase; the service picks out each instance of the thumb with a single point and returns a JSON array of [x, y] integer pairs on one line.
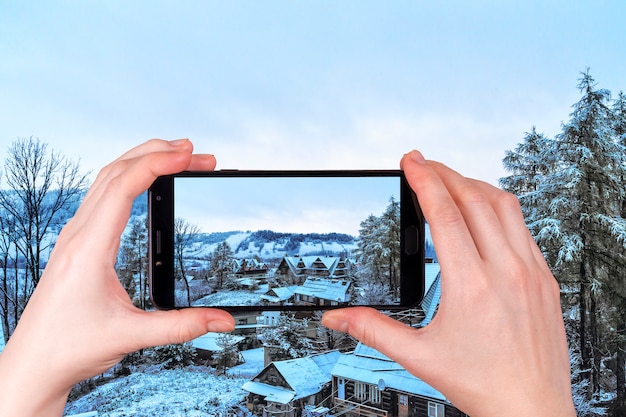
[[158, 328], [390, 337]]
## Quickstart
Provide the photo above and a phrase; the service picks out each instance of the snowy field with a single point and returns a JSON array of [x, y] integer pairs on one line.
[[230, 298], [191, 392]]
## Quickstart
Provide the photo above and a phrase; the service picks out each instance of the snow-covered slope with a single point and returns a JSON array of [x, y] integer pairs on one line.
[[272, 245], [189, 392]]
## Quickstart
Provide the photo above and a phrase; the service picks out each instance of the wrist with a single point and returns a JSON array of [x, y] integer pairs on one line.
[[26, 391]]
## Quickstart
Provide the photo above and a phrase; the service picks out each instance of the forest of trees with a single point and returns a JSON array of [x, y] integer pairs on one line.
[[573, 195]]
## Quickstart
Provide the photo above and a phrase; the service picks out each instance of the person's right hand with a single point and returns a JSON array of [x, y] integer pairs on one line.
[[497, 345]]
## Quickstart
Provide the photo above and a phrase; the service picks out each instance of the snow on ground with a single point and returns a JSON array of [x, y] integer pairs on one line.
[[190, 392], [229, 298], [236, 239]]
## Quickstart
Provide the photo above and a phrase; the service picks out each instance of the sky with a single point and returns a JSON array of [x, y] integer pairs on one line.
[[283, 204], [302, 85]]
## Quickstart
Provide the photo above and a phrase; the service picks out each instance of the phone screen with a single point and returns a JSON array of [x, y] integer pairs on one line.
[[288, 241]]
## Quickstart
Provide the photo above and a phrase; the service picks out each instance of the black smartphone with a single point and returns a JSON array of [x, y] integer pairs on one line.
[[285, 240]]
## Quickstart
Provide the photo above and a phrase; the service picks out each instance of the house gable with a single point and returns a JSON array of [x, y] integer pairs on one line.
[[294, 378], [318, 266]]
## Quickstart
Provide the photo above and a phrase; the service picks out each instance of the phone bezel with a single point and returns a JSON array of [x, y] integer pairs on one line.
[[161, 237]]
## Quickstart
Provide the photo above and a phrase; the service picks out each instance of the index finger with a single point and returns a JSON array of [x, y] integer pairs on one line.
[[106, 208], [450, 233]]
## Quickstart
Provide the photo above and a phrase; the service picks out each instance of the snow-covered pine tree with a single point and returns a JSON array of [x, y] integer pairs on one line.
[[287, 339], [390, 235], [379, 248], [370, 250], [228, 355], [571, 191], [526, 164], [528, 168], [580, 195], [617, 271]]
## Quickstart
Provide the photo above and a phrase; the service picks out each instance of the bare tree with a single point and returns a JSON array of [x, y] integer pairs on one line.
[[8, 262], [43, 188], [184, 233]]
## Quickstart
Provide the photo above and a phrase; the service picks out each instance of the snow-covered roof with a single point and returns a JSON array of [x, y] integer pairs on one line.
[[247, 282], [326, 361], [430, 274], [432, 294], [279, 293], [270, 392], [367, 365], [305, 376], [327, 289], [209, 341], [298, 264]]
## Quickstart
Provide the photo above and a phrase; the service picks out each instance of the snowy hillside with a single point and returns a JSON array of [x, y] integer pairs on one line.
[[272, 245], [192, 391]]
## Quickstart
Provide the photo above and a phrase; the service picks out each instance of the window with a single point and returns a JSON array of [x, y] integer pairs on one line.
[[435, 409], [360, 391], [403, 400]]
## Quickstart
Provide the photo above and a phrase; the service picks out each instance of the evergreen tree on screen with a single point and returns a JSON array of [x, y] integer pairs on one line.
[[370, 250], [390, 234], [378, 250]]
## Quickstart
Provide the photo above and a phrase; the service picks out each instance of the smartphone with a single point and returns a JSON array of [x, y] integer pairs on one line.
[[285, 240]]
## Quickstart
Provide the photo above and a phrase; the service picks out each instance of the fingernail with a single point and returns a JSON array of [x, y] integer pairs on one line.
[[220, 326], [417, 157], [178, 142]]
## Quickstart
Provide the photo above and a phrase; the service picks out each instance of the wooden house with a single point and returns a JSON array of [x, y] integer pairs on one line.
[[301, 267], [367, 383], [249, 267], [285, 388]]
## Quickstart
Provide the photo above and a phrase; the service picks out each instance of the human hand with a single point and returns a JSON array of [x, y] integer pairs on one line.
[[497, 345], [80, 321]]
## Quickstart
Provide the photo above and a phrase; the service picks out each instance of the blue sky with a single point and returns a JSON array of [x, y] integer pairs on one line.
[[287, 205], [302, 85]]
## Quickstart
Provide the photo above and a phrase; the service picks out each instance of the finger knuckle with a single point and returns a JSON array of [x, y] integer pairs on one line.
[[508, 201], [472, 195]]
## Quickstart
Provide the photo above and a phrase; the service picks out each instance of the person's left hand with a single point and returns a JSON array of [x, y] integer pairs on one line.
[[80, 320]]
